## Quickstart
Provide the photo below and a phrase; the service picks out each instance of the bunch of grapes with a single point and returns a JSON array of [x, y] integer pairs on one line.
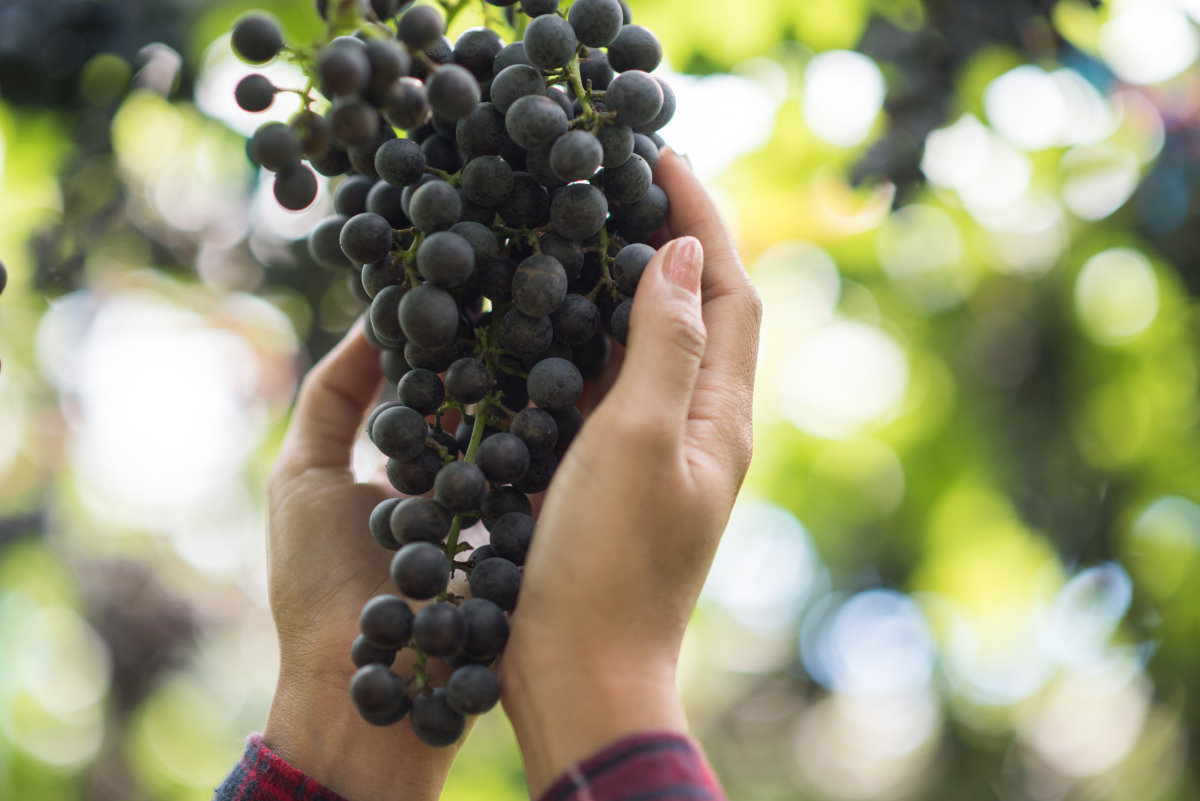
[[499, 240]]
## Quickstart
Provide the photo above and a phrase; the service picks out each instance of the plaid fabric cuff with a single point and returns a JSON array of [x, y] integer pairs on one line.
[[263, 775], [650, 766]]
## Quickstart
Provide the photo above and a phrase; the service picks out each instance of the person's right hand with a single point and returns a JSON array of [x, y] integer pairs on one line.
[[633, 517]]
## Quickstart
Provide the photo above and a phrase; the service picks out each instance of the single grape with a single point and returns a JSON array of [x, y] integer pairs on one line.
[[392, 363], [256, 38], [353, 122], [539, 285], [419, 520], [497, 580], [472, 690], [433, 721], [276, 147], [576, 155], [515, 82], [380, 524], [636, 97], [420, 570], [295, 187], [468, 380], [420, 27], [635, 48], [445, 259], [379, 695], [435, 206], [538, 8], [578, 211], [422, 390], [486, 624], [665, 114], [481, 239], [535, 120], [400, 432], [387, 201], [436, 359], [524, 336], [429, 316], [460, 487], [254, 93], [479, 554], [384, 316], [324, 245], [549, 41], [476, 50], [416, 476], [629, 182], [452, 91], [363, 653], [527, 205], [595, 71], [400, 162], [386, 621], [439, 630], [576, 320], [350, 197], [644, 146], [343, 68], [503, 458], [618, 144], [388, 63], [537, 429], [511, 535], [404, 104], [629, 265], [537, 477], [502, 500], [596, 22], [312, 132], [619, 324], [487, 180]]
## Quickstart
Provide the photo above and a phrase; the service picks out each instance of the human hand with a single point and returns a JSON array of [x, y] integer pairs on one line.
[[633, 517], [322, 567]]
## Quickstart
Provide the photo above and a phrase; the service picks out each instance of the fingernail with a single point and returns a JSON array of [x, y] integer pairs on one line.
[[686, 159], [685, 263]]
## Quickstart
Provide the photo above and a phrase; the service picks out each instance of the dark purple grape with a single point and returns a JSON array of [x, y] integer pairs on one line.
[[535, 120], [420, 570], [503, 500], [486, 624], [429, 316], [596, 22], [419, 520], [511, 535], [386, 621], [635, 48], [366, 238], [497, 580], [275, 147], [468, 380], [400, 433], [578, 211], [362, 653], [629, 265], [527, 205], [452, 91], [433, 721], [324, 245], [439, 630], [256, 38], [472, 690], [379, 695], [515, 82], [576, 320], [295, 187], [550, 41], [254, 93], [537, 429], [576, 155], [422, 390], [525, 336], [487, 180], [629, 182], [421, 27], [380, 524], [404, 104], [435, 206], [503, 458], [539, 285], [460, 487], [400, 162], [537, 477], [445, 259], [416, 476]]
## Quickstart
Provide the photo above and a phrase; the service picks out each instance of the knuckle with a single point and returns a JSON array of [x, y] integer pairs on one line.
[[687, 331]]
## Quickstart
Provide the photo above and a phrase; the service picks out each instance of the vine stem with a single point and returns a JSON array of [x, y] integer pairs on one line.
[[472, 449], [576, 79]]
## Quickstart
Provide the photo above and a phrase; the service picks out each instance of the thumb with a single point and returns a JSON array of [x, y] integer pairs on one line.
[[666, 337]]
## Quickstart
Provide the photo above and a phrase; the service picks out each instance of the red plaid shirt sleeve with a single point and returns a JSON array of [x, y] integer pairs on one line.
[[652, 766]]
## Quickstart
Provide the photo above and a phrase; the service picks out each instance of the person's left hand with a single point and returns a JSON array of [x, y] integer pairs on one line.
[[323, 565]]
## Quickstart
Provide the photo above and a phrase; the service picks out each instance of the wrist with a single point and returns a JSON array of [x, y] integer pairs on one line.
[[314, 727], [563, 710]]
